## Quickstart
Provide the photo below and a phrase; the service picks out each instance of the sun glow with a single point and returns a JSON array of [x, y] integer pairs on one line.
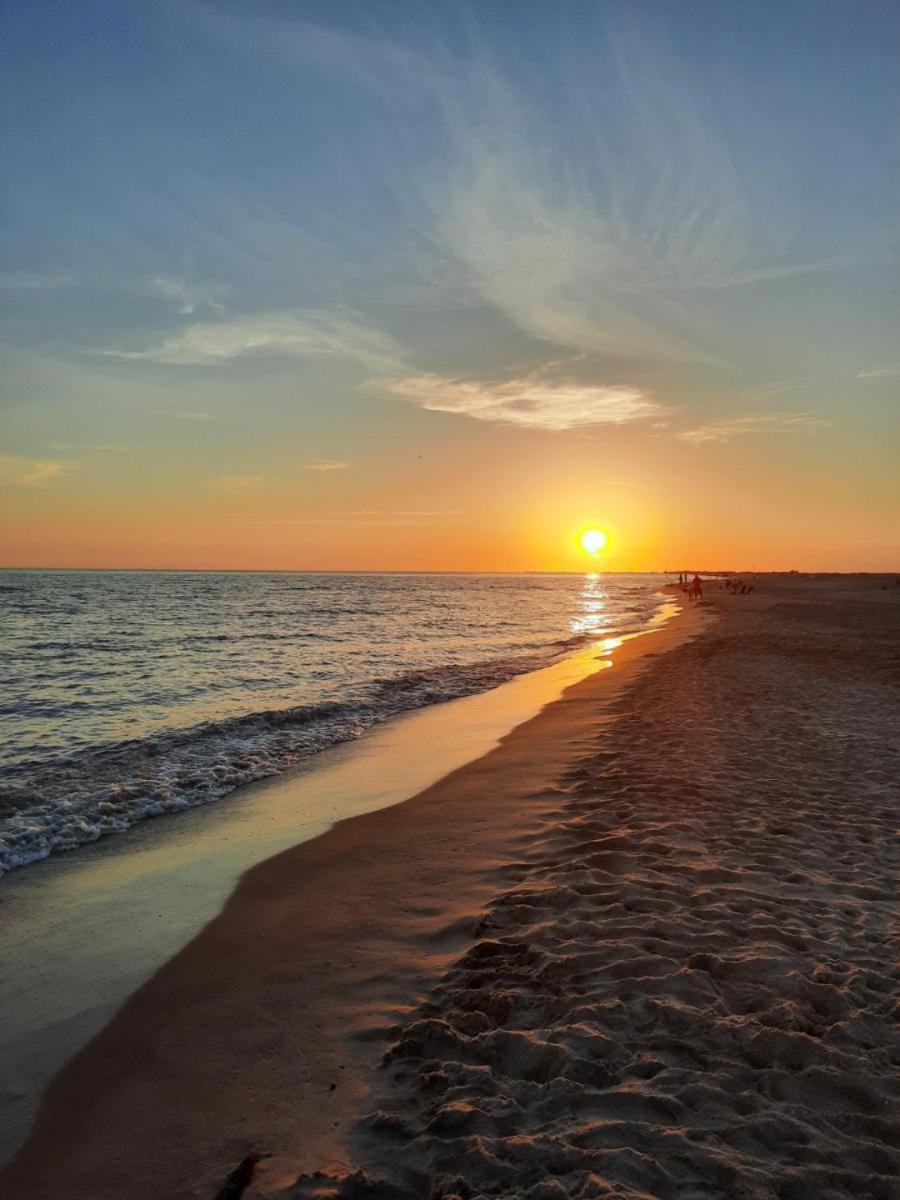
[[593, 541]]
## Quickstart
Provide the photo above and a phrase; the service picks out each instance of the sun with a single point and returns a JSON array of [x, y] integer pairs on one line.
[[593, 541]]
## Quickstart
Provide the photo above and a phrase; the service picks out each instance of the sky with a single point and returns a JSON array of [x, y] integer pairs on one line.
[[434, 286]]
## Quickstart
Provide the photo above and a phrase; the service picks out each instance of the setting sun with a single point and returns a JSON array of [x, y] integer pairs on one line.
[[593, 541]]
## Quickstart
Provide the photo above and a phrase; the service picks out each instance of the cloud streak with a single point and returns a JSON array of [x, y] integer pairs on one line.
[[753, 423], [187, 298], [299, 334], [326, 464], [531, 402], [615, 250], [33, 283], [598, 209], [182, 414], [16, 471], [237, 485]]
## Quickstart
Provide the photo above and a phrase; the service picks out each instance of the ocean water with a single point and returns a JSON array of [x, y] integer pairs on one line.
[[132, 694]]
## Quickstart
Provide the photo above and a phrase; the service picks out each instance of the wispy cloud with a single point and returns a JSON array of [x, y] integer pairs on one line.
[[597, 208], [362, 521], [185, 296], [769, 391], [530, 402], [297, 334], [31, 283], [732, 427], [614, 250], [182, 414], [878, 373], [398, 512], [90, 447], [237, 485], [427, 512], [326, 464], [28, 472]]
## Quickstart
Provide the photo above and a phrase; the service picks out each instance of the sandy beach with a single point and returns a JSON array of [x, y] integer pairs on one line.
[[450, 601], [643, 948]]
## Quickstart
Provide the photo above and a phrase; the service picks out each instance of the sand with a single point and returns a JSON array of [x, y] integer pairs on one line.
[[642, 949], [81, 932]]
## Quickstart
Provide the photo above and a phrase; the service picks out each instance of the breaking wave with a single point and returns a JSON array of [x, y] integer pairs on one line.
[[57, 795]]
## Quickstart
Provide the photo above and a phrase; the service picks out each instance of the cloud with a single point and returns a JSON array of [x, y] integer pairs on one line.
[[529, 402], [597, 207], [237, 485], [299, 334], [182, 414], [362, 521], [878, 373], [427, 512], [397, 512], [14, 282], [613, 248], [326, 464], [28, 472], [186, 297], [90, 447], [769, 391], [731, 427]]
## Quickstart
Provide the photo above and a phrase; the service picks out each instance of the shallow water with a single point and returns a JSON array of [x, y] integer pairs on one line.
[[131, 694]]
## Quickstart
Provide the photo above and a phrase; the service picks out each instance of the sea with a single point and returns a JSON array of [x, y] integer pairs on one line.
[[131, 694]]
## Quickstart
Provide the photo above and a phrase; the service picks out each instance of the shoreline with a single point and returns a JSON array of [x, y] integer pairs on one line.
[[133, 901], [641, 948], [329, 856], [271, 721]]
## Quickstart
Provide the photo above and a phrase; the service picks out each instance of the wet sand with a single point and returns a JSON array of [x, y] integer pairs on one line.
[[82, 931], [643, 948]]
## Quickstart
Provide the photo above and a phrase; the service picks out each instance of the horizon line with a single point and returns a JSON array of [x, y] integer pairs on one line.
[[414, 571]]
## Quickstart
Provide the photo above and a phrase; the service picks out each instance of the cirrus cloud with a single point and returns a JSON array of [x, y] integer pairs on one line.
[[530, 402], [237, 485], [27, 472], [187, 297], [33, 283], [731, 427], [296, 334]]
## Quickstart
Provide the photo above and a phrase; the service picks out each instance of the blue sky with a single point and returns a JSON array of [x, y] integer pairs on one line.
[[347, 227]]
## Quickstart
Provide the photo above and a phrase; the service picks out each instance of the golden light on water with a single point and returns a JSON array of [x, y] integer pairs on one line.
[[591, 617], [593, 541]]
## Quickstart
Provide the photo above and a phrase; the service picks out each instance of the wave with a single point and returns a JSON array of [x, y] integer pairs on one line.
[[58, 803]]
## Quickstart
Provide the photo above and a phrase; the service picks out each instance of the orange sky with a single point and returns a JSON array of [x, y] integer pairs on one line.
[[464, 314], [493, 499]]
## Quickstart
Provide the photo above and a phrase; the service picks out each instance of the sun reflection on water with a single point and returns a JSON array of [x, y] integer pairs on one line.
[[593, 604]]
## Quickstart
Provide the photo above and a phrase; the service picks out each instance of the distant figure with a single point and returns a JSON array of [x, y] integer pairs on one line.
[[696, 588]]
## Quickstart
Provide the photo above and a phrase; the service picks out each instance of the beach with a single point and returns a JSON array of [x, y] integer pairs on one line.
[[643, 947], [83, 930]]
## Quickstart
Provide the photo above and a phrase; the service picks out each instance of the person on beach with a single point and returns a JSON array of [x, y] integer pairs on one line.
[[696, 588]]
